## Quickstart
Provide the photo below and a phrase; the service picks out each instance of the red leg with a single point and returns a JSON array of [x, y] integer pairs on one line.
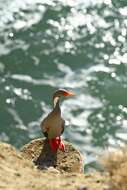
[[56, 143], [52, 144]]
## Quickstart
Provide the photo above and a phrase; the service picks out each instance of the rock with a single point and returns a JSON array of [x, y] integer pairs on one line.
[[82, 187], [116, 165], [16, 172], [39, 152]]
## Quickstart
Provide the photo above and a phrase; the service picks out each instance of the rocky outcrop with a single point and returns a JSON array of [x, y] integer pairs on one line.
[[116, 165], [17, 171], [40, 153]]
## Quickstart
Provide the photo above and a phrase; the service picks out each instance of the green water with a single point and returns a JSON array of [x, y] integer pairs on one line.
[[79, 45]]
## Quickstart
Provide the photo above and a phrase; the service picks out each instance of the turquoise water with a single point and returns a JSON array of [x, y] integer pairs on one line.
[[79, 45]]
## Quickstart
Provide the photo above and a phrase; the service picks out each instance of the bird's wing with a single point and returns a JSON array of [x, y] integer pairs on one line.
[[63, 124], [48, 122], [44, 127]]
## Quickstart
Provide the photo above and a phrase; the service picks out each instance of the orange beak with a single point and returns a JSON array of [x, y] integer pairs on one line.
[[67, 93]]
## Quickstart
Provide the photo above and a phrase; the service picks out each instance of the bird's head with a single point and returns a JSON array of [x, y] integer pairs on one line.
[[60, 93]]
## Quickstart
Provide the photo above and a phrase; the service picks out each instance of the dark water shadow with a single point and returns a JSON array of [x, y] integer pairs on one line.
[[47, 158]]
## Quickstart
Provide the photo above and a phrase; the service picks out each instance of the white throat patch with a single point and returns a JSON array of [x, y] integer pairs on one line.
[[56, 99]]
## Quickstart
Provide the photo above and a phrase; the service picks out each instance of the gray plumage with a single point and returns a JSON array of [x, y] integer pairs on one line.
[[53, 125]]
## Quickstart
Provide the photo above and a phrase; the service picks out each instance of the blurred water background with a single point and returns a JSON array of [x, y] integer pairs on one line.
[[79, 45]]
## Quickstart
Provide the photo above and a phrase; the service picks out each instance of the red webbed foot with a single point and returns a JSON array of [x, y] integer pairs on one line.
[[62, 146]]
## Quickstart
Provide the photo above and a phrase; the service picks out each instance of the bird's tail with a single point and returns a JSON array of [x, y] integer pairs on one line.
[[56, 143]]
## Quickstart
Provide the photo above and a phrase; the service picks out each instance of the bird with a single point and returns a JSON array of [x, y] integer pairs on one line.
[[53, 124]]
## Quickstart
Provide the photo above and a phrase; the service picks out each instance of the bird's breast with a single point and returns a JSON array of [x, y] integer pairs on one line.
[[55, 128], [54, 132]]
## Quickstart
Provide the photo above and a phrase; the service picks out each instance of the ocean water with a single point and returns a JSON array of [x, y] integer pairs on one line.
[[80, 45]]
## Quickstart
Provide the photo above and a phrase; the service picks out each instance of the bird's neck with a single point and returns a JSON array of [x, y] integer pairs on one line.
[[56, 106]]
